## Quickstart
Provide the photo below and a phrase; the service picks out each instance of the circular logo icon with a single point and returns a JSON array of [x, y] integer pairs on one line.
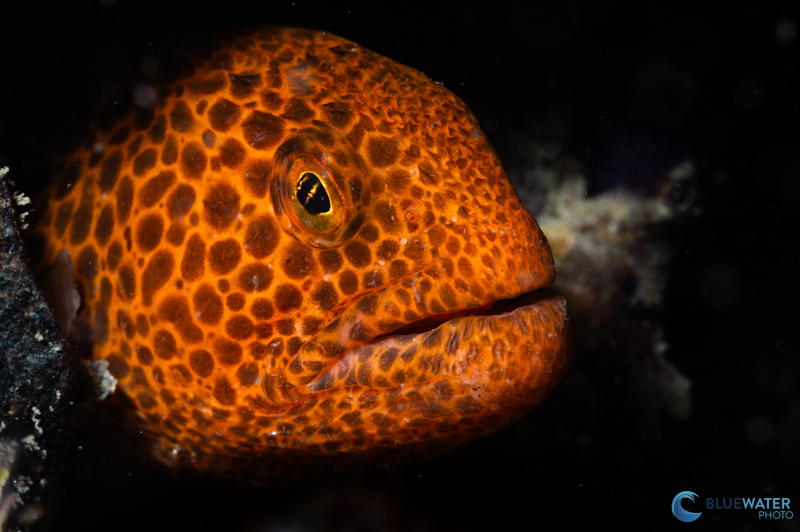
[[679, 512]]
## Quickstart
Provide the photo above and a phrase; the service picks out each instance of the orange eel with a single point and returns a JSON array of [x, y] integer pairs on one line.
[[305, 249]]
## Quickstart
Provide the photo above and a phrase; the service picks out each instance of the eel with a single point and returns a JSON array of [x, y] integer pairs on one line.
[[302, 249]]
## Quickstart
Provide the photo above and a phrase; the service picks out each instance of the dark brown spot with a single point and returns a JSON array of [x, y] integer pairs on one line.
[[109, 171], [193, 160], [221, 205], [156, 274], [207, 305], [193, 263], [159, 130], [331, 260], [376, 185], [146, 400], [398, 181], [142, 325], [158, 375], [372, 279], [223, 114], [298, 261], [227, 352], [325, 296], [348, 283], [126, 326], [387, 217], [382, 151], [164, 345], [118, 367], [126, 282], [256, 178], [239, 327], [149, 231], [175, 234], [293, 346], [287, 297], [262, 130], [105, 225], [224, 392], [387, 358], [81, 222], [339, 114], [452, 246], [64, 216], [261, 309], [448, 297], [388, 249], [231, 153], [243, 86], [255, 277], [144, 355], [181, 200], [155, 187], [235, 301], [259, 350], [247, 374], [369, 233], [414, 250], [144, 161], [169, 153], [224, 256], [165, 394], [201, 362], [261, 237], [263, 329], [398, 268], [368, 305], [357, 253], [465, 267], [311, 325], [181, 117], [436, 236], [298, 110], [124, 197]]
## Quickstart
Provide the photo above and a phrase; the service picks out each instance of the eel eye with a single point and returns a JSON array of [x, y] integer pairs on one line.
[[319, 199], [312, 195]]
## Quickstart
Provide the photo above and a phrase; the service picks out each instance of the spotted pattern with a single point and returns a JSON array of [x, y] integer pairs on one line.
[[240, 326]]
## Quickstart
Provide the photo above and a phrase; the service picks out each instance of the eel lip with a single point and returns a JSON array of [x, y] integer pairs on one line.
[[512, 351]]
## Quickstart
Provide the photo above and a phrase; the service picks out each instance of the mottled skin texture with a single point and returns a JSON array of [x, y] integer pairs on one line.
[[246, 331]]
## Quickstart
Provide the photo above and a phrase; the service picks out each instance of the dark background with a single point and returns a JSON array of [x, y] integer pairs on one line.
[[626, 89]]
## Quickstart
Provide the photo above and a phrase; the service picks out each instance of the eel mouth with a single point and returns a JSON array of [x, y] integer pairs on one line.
[[523, 339], [494, 308]]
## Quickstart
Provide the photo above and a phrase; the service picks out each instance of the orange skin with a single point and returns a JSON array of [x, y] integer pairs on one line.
[[243, 325]]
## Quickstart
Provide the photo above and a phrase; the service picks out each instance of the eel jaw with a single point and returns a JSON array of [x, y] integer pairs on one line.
[[424, 393], [508, 354]]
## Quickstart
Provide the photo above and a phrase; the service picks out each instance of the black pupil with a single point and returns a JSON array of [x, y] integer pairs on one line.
[[312, 194]]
